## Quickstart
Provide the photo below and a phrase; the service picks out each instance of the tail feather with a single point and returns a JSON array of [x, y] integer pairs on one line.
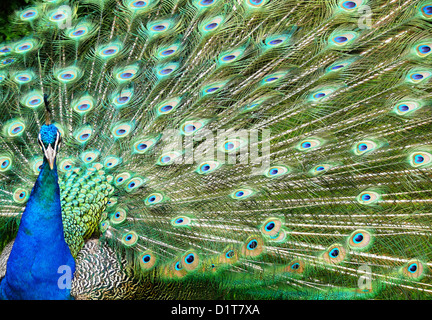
[[271, 149]]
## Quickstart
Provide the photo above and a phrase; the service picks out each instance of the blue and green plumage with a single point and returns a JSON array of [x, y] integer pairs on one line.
[[39, 249], [134, 86]]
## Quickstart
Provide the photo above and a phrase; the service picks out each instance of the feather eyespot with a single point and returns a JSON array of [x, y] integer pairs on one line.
[[242, 194], [29, 14], [169, 51], [208, 167], [350, 6], [24, 77], [119, 216], [231, 56], [321, 95], [418, 76], [104, 225], [368, 197], [336, 67], [134, 184], [296, 267], [168, 158], [110, 51], [191, 127], [414, 269], [83, 135], [122, 130], [89, 156], [127, 73], [423, 50], [190, 261], [24, 46], [426, 11], [360, 239], [21, 195], [14, 128], [365, 146], [274, 77], [147, 260], [406, 107], [83, 105], [140, 4], [7, 61], [206, 2], [178, 266], [320, 169], [276, 171], [58, 15], [253, 246], [309, 144], [255, 3], [213, 87], [153, 199], [334, 254], [80, 31], [229, 255], [122, 98], [420, 159], [4, 50], [181, 221], [112, 162], [111, 202], [130, 238], [160, 27], [143, 145], [233, 145], [5, 163], [211, 25], [276, 41], [167, 106], [166, 70], [343, 39], [36, 165], [66, 165], [122, 178], [251, 106], [271, 228], [68, 75]]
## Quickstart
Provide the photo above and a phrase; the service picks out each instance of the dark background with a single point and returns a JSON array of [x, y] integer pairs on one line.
[[7, 9]]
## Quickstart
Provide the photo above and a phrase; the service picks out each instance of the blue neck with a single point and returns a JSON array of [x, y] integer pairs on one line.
[[40, 260]]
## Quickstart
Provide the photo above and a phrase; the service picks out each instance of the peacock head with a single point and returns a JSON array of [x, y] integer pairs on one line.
[[50, 141]]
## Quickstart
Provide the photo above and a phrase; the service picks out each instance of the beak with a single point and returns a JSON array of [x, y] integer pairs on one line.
[[50, 154]]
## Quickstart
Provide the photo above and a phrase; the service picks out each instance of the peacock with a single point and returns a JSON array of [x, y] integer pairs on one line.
[[217, 149]]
